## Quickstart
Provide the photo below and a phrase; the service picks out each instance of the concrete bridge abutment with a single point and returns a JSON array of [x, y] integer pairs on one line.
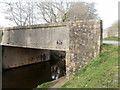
[[81, 40]]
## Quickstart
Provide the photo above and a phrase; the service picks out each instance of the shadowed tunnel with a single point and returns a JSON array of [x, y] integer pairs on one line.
[[48, 66]]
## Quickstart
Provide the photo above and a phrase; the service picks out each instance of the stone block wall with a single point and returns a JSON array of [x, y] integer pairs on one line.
[[85, 38]]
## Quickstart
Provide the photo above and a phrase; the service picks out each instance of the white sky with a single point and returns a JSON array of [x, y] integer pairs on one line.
[[107, 10]]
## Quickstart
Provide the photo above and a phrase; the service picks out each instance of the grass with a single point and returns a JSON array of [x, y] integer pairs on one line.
[[101, 72], [112, 38]]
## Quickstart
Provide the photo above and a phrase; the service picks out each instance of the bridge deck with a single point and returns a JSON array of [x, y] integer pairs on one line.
[[46, 36]]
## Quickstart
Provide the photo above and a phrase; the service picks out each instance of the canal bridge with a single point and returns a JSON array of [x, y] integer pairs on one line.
[[23, 45]]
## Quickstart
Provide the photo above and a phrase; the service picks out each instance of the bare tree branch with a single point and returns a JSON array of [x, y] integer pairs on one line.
[[21, 13], [29, 13]]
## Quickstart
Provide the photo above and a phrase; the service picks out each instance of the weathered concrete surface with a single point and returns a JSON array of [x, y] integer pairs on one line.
[[53, 38], [14, 56]]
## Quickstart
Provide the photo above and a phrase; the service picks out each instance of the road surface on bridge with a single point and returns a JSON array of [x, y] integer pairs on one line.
[[111, 42]]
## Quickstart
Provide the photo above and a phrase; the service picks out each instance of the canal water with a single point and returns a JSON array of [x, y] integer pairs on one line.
[[32, 75]]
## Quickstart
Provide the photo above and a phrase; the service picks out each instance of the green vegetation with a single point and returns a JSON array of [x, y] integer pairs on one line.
[[112, 38], [101, 72]]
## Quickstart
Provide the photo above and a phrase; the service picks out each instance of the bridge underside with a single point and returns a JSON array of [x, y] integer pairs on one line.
[[15, 56]]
